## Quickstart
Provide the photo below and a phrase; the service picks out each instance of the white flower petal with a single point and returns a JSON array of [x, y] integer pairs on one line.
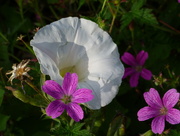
[[47, 62], [80, 46]]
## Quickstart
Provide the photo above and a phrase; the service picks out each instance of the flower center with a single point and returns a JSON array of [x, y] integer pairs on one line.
[[163, 111], [70, 69], [73, 69], [66, 99], [138, 68]]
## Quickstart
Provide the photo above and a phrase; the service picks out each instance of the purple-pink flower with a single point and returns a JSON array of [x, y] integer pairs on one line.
[[160, 110], [137, 67], [67, 97]]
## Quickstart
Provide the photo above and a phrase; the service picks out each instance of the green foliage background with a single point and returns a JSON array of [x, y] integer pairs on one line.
[[134, 25]]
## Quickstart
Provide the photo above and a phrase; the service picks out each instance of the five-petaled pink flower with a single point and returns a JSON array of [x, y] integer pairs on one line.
[[137, 67], [66, 97], [160, 110]]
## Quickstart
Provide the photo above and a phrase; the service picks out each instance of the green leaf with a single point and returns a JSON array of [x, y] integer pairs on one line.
[[36, 100], [116, 127], [1, 95], [145, 16], [126, 19], [81, 2], [139, 14], [174, 133], [148, 133], [138, 4], [3, 121], [76, 130]]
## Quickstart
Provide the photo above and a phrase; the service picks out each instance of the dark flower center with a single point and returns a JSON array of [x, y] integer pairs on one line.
[[163, 111], [138, 68], [66, 99]]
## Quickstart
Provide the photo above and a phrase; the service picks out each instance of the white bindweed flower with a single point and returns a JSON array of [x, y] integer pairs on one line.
[[79, 46]]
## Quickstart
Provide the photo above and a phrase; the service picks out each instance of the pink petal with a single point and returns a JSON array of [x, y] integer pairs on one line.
[[141, 57], [75, 111], [134, 79], [128, 59], [128, 72], [158, 124], [146, 74], [70, 83], [55, 109], [153, 99], [147, 113], [82, 95], [53, 88], [170, 98], [173, 116]]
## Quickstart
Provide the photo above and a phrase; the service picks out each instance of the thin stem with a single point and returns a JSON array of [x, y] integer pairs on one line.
[[54, 13], [114, 17], [37, 90], [28, 47], [172, 28], [71, 122], [1, 75], [104, 3], [4, 37], [132, 34], [13, 56]]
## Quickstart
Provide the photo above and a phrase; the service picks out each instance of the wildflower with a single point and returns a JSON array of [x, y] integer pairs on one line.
[[20, 38], [160, 110], [159, 80], [66, 97], [79, 46], [137, 67], [19, 71]]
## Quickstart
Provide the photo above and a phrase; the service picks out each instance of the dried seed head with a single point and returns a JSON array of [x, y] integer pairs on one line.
[[19, 71]]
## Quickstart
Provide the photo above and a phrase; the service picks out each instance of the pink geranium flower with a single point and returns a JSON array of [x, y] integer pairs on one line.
[[160, 110], [137, 67], [66, 97]]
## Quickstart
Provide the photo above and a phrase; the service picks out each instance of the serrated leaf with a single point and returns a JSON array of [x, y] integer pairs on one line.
[[138, 4], [77, 126], [145, 16], [83, 133], [126, 20]]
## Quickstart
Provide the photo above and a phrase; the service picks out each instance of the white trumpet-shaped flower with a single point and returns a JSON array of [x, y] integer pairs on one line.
[[79, 46]]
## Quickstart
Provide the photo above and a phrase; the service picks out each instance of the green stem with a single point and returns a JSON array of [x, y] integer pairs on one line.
[[4, 37], [114, 16], [37, 90], [29, 48], [13, 56], [54, 13], [104, 3], [1, 75], [71, 122], [132, 34]]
